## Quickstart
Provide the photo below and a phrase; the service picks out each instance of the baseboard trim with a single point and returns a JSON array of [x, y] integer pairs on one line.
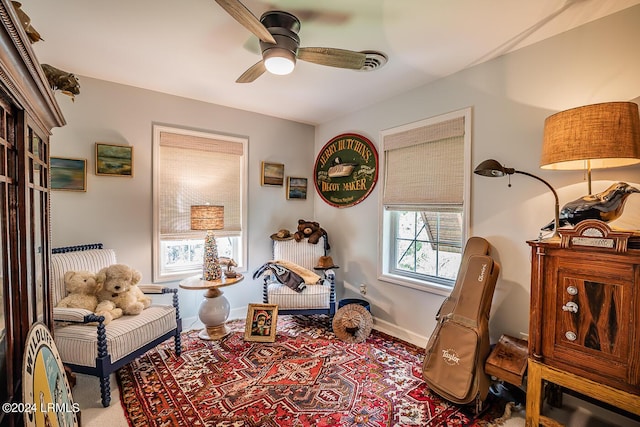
[[189, 323], [193, 322], [400, 333]]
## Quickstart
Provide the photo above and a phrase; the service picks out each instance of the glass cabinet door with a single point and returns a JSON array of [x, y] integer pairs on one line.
[[3, 326], [7, 235], [37, 221]]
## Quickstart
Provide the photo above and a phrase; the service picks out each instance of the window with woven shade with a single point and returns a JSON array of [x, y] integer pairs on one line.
[[196, 168], [426, 173]]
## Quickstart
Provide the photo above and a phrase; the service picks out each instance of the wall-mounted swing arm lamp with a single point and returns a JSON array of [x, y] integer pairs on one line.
[[492, 168]]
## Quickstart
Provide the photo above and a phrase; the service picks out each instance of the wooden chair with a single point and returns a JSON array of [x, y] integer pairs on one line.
[[88, 346], [314, 299]]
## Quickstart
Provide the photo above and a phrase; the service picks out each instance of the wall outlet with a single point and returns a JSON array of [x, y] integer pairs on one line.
[[363, 289]]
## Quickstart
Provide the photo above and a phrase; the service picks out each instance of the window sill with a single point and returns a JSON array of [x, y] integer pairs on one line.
[[420, 285]]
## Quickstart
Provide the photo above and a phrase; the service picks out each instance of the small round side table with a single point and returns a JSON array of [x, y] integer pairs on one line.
[[214, 308]]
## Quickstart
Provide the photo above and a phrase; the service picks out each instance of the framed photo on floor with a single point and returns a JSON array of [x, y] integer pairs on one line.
[[261, 323]]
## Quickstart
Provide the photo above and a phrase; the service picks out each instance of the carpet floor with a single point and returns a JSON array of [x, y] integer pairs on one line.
[[307, 377]]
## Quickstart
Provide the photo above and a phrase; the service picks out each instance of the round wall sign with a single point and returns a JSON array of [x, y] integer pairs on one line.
[[346, 170]]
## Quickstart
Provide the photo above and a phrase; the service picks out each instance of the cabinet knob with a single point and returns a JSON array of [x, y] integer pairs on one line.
[[572, 290], [570, 306], [571, 336]]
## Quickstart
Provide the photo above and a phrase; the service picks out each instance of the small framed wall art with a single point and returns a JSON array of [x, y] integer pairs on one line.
[[68, 174], [272, 174], [114, 159], [261, 323], [296, 188]]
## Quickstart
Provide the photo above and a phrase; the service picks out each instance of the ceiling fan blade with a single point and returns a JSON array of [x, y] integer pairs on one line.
[[255, 71], [331, 57], [314, 15], [240, 13]]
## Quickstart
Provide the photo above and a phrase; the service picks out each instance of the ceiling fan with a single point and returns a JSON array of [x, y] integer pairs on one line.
[[280, 44]]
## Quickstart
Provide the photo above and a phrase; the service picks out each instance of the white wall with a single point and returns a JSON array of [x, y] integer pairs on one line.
[[118, 211], [510, 97]]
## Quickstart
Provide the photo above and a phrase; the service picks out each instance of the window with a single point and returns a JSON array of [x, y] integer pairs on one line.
[[196, 168], [426, 170]]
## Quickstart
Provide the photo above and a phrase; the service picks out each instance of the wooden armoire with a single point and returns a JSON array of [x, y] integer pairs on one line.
[[28, 112]]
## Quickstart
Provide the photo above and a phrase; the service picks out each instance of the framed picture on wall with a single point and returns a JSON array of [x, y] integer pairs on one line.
[[296, 188], [68, 174], [272, 174], [261, 323], [114, 159]]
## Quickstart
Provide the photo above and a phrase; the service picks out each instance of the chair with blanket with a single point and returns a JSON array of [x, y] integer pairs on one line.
[[88, 346], [318, 296]]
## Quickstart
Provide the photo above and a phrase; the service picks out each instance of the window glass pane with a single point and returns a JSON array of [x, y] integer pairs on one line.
[[427, 244], [187, 255], [406, 225]]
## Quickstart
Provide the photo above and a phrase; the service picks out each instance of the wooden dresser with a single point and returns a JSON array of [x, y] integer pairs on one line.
[[584, 327]]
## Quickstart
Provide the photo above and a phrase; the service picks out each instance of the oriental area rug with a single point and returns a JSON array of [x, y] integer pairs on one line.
[[307, 377]]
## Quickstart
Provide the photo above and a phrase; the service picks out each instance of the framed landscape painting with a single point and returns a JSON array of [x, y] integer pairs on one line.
[[114, 160], [68, 174], [272, 174], [296, 188]]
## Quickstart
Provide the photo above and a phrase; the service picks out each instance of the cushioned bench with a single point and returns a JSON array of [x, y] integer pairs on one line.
[[85, 344]]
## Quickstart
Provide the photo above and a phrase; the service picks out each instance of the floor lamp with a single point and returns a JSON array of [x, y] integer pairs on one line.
[[209, 218], [492, 168]]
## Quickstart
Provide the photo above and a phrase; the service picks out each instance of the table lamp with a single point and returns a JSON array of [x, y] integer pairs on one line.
[[492, 168], [209, 218], [594, 136]]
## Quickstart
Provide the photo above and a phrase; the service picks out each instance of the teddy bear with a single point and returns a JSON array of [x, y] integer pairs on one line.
[[81, 289], [310, 230], [119, 293]]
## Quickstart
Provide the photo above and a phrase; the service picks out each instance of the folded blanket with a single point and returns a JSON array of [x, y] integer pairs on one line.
[[309, 277], [292, 275]]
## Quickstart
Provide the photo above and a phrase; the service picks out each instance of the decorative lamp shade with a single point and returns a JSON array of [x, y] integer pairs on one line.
[[206, 217], [592, 137]]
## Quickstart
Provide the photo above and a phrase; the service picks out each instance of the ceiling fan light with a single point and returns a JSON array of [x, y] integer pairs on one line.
[[279, 61]]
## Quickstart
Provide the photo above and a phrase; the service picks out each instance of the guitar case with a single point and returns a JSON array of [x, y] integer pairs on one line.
[[455, 354]]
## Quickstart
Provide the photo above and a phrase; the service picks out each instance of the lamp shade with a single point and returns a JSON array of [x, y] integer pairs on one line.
[[207, 217], [492, 168], [593, 136]]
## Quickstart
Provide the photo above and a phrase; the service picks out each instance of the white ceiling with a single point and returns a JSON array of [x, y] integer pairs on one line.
[[194, 49]]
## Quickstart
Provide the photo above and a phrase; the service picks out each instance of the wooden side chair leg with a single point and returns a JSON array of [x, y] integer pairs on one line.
[[105, 391]]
